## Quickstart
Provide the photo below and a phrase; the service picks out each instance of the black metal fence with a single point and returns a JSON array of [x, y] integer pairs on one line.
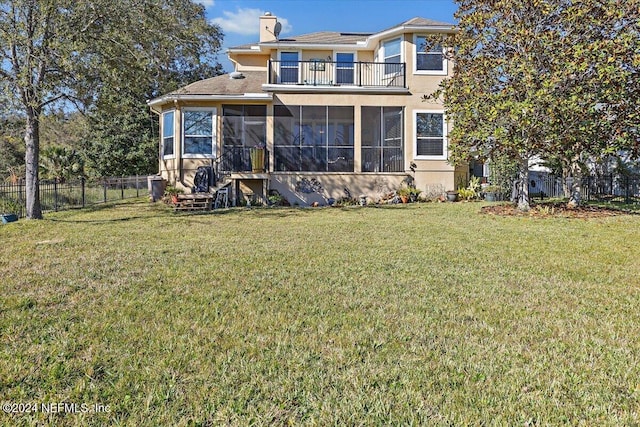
[[325, 73], [609, 188], [78, 193]]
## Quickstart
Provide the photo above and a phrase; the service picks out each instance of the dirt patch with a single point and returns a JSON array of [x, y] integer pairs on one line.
[[549, 210]]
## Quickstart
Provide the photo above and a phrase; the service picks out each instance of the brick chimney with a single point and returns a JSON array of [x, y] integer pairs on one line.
[[267, 26]]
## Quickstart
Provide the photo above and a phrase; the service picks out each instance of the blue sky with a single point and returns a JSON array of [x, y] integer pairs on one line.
[[239, 18]]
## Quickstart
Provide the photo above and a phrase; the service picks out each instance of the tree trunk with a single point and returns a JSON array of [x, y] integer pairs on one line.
[[576, 186], [32, 161], [523, 191]]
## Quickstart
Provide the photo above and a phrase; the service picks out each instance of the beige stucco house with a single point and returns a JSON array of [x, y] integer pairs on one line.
[[315, 117]]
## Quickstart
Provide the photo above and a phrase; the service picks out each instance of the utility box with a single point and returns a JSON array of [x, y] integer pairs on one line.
[[156, 187]]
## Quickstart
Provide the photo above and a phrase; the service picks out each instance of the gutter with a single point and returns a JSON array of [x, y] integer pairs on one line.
[[172, 98]]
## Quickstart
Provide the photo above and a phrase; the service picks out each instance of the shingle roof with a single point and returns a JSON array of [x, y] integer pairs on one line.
[[225, 85], [333, 37]]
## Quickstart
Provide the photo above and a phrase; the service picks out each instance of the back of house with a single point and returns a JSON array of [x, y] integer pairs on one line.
[[316, 117]]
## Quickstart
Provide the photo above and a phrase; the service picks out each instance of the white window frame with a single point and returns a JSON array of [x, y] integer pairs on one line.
[[335, 60], [214, 121], [442, 72], [162, 138], [280, 64], [445, 139]]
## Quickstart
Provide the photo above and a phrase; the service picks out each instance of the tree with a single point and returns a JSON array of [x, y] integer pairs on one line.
[[529, 76], [63, 51], [61, 163]]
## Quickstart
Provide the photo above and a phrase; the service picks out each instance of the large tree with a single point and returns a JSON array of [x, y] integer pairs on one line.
[[66, 51], [530, 78]]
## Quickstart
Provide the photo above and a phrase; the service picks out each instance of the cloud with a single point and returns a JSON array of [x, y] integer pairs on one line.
[[245, 22], [206, 3]]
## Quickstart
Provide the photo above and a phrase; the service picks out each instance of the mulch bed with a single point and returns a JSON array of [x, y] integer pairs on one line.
[[551, 210]]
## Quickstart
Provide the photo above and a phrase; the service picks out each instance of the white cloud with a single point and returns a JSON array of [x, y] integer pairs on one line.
[[245, 22], [206, 3]]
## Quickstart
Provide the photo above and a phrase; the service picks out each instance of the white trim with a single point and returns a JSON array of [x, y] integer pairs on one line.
[[240, 97], [335, 60], [214, 139], [445, 64], [445, 136], [171, 156]]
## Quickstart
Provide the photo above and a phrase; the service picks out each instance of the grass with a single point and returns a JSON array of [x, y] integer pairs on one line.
[[416, 314]]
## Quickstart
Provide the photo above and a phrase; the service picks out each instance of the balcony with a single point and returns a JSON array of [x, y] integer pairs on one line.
[[335, 76]]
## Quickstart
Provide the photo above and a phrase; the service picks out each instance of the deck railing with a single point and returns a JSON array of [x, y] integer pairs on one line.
[[330, 73]]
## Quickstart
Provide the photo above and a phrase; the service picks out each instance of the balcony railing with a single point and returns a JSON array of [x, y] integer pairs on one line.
[[328, 73]]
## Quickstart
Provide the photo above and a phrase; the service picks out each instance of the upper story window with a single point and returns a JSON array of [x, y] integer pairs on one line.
[[392, 56], [430, 57], [198, 132], [167, 133]]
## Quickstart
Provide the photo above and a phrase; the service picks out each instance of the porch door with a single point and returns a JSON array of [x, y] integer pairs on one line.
[[344, 68]]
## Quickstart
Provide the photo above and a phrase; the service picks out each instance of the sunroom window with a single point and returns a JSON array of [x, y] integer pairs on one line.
[[198, 132], [382, 139], [313, 138], [167, 133]]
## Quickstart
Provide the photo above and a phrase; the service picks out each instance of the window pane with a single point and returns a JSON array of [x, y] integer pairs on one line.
[[197, 145], [167, 124], [198, 123], [392, 48], [430, 124], [167, 134], [198, 132], [430, 62], [430, 147], [167, 146]]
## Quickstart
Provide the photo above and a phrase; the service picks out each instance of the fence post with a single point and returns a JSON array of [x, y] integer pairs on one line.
[[627, 199], [55, 195], [82, 184], [137, 187], [104, 189], [121, 187]]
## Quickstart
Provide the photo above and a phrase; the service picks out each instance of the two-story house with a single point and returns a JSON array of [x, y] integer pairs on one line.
[[315, 116]]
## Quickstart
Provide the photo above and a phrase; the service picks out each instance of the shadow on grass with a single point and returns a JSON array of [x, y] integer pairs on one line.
[[143, 209]]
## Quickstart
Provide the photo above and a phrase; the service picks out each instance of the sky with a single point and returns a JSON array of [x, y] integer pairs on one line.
[[239, 18]]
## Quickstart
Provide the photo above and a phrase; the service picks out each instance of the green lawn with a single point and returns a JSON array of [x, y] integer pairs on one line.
[[416, 314]]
